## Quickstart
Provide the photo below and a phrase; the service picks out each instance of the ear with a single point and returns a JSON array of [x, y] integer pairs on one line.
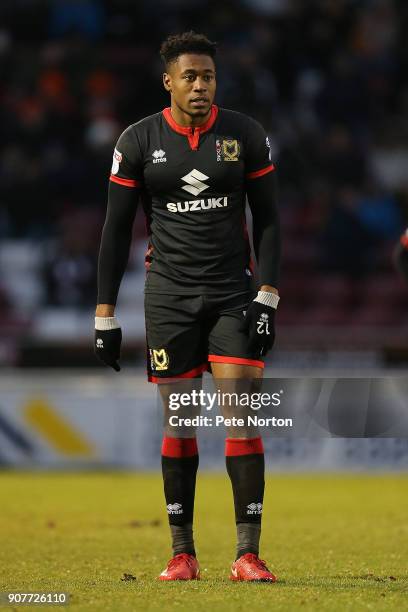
[[167, 81]]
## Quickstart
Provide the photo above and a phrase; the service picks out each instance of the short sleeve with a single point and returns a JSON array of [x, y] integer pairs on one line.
[[258, 151], [127, 166]]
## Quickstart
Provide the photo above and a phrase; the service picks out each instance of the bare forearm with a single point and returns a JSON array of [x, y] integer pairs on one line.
[[269, 288], [105, 310]]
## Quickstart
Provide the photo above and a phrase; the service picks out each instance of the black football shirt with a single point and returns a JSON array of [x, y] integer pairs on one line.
[[191, 182]]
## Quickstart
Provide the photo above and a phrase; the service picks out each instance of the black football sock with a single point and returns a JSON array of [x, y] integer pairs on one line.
[[248, 535], [246, 469], [182, 539], [179, 468]]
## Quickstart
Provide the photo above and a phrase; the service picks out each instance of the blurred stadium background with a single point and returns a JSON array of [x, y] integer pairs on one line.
[[327, 79]]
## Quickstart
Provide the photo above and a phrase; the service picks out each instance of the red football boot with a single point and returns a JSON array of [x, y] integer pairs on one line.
[[181, 567], [250, 568]]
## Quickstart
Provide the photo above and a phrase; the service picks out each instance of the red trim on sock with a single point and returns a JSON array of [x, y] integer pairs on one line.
[[179, 447], [243, 446], [238, 360]]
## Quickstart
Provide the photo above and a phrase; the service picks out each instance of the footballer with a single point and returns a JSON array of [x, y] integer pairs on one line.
[[191, 167]]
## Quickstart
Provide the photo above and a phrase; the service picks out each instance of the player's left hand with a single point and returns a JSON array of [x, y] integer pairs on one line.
[[259, 325], [107, 341]]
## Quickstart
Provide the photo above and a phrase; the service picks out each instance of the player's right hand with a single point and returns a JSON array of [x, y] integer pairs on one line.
[[259, 325], [107, 346]]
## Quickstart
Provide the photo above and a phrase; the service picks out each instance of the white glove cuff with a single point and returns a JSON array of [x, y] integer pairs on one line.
[[267, 298], [106, 323]]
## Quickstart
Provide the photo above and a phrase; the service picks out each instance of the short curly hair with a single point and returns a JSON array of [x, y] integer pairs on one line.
[[188, 42]]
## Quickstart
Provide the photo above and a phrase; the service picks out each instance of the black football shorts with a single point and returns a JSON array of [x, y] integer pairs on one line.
[[186, 333]]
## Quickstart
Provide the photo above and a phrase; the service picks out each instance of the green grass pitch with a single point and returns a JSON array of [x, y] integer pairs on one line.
[[336, 542]]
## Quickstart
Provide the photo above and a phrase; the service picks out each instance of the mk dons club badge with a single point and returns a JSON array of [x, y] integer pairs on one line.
[[159, 359], [228, 149]]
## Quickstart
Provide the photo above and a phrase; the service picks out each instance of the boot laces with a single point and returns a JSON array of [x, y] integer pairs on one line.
[[259, 563], [177, 559]]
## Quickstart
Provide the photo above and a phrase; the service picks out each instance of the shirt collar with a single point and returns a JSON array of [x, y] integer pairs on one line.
[[181, 129]]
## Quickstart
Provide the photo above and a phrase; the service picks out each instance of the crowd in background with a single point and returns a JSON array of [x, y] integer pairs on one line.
[[326, 78]]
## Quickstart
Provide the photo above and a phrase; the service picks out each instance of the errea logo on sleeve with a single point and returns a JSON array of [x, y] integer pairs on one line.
[[159, 156]]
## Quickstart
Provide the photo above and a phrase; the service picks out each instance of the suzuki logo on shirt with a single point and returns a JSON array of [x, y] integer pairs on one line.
[[194, 178], [196, 205]]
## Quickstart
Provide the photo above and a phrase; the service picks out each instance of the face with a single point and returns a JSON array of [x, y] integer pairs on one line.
[[191, 82]]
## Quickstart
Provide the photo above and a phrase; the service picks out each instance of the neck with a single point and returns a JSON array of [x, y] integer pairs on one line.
[[186, 120]]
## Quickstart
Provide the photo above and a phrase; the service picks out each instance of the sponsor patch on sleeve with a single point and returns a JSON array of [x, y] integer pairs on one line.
[[117, 158], [268, 144]]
